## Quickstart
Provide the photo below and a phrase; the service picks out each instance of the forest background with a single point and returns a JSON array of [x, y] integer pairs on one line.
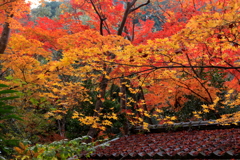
[[102, 67]]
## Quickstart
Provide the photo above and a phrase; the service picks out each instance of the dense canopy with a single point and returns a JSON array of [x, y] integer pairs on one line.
[[99, 67]]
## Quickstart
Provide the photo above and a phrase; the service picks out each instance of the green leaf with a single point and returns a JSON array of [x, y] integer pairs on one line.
[[6, 98], [6, 106], [3, 85], [9, 77], [34, 101], [13, 116], [5, 112], [7, 91], [35, 149], [20, 94]]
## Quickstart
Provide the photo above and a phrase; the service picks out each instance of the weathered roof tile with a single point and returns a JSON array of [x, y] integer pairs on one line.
[[218, 143]]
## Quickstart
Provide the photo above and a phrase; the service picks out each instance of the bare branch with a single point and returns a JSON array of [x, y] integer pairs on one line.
[[136, 8], [128, 10], [152, 68], [102, 19], [176, 66]]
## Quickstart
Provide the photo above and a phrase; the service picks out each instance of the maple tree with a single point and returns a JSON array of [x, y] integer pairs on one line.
[[9, 10], [114, 66]]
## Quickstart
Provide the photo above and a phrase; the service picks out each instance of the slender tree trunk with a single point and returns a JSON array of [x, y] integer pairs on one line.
[[123, 101], [4, 37], [103, 86], [126, 13], [145, 106], [61, 127]]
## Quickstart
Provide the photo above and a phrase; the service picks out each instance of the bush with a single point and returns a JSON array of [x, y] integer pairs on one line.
[[62, 149], [6, 113]]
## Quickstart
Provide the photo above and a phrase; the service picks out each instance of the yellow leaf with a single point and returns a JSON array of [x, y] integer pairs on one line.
[[204, 106], [173, 118], [206, 110], [22, 146], [58, 117]]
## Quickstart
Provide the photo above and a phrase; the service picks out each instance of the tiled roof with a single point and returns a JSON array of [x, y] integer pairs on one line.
[[210, 124], [218, 143]]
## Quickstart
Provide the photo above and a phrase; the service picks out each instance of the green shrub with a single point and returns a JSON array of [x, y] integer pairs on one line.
[[62, 149], [6, 113]]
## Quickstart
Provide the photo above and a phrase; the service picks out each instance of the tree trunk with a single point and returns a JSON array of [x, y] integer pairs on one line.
[[123, 101], [149, 120], [4, 37], [103, 86], [61, 127]]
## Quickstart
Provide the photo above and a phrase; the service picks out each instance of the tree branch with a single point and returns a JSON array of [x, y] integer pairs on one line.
[[177, 66], [6, 3], [100, 17], [127, 12], [136, 8], [120, 29], [170, 67]]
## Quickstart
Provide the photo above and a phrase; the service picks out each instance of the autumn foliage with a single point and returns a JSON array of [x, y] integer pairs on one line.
[[118, 69]]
